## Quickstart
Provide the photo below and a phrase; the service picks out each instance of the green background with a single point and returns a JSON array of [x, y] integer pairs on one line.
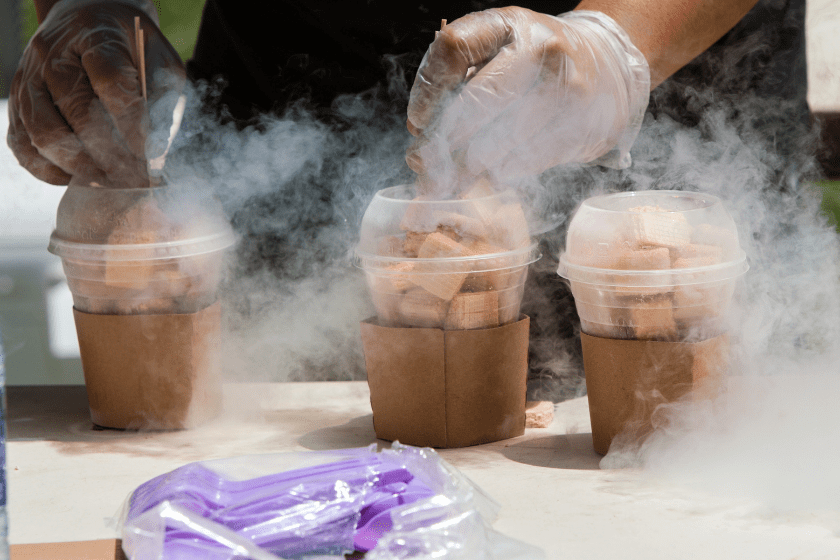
[[179, 21]]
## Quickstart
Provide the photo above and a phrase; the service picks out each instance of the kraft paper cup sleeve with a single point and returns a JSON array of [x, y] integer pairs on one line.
[[438, 388], [151, 371], [627, 379]]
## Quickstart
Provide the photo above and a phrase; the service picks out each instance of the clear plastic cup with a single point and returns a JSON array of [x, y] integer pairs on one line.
[[449, 264], [652, 265], [143, 266], [139, 251]]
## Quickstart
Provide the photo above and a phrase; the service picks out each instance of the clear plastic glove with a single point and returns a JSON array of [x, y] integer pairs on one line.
[[76, 107], [513, 92]]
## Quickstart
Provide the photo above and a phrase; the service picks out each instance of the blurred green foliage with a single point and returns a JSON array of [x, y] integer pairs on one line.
[[831, 201], [179, 21]]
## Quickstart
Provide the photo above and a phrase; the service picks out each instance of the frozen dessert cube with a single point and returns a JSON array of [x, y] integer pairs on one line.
[[654, 319], [658, 258], [443, 284], [477, 310], [437, 245], [414, 240], [697, 255], [509, 227], [539, 414], [419, 308], [480, 189], [393, 279], [442, 279], [661, 229], [651, 258], [484, 204], [485, 280], [412, 243], [464, 226], [419, 216]]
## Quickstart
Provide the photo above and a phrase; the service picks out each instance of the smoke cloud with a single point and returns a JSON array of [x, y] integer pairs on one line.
[[296, 187]]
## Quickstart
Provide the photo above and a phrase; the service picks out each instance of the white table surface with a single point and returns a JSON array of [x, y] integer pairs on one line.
[[67, 481]]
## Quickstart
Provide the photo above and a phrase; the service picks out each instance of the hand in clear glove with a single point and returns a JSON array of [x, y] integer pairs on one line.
[[76, 107], [513, 92]]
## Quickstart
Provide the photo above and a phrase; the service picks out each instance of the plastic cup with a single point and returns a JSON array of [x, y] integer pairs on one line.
[[655, 265], [652, 274], [139, 251], [143, 266], [447, 355], [448, 264]]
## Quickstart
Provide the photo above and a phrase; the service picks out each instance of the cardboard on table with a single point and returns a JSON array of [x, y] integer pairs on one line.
[[157, 371], [436, 388], [627, 379], [104, 549]]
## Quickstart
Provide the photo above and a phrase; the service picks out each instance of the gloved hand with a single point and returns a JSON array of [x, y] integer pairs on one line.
[[513, 92], [76, 107]]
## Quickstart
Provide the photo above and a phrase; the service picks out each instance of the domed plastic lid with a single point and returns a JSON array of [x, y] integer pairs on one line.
[[491, 227], [652, 239], [95, 223]]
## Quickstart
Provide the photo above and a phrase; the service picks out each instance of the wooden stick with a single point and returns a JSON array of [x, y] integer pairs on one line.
[[442, 24], [139, 44]]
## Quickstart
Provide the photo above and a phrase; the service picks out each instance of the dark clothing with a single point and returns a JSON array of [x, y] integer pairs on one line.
[[288, 50]]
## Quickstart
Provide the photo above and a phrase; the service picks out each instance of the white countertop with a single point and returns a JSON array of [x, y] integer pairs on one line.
[[67, 481]]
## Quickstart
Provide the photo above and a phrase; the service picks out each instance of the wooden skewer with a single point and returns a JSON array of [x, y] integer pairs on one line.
[[442, 24], [139, 44]]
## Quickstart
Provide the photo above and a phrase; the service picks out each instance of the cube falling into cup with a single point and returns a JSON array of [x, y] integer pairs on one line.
[[446, 354], [143, 266], [652, 274]]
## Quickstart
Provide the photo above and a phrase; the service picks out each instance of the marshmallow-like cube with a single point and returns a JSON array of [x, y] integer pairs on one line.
[[412, 243], [444, 280], [539, 414], [486, 280], [479, 310], [654, 319], [695, 254], [483, 207], [419, 308], [464, 226], [509, 227], [418, 216], [650, 258], [660, 229]]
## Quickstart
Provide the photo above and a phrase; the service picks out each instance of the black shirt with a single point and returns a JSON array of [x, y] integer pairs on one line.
[[286, 50]]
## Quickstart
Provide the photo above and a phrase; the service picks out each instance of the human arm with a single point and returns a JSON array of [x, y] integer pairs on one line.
[[510, 92], [671, 33]]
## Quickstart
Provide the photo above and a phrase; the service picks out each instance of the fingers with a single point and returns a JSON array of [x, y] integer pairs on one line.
[[37, 122], [114, 80], [91, 124], [21, 145], [469, 41]]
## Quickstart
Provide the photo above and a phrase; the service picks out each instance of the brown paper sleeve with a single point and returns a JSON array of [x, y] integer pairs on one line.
[[438, 388], [627, 379], [151, 371], [405, 370]]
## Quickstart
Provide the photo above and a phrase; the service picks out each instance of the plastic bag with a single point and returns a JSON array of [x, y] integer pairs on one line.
[[400, 503]]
